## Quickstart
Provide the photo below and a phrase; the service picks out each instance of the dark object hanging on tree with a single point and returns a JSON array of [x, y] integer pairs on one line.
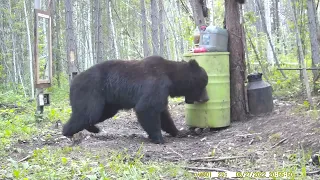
[[241, 1], [259, 95], [224, 20], [204, 8], [205, 11]]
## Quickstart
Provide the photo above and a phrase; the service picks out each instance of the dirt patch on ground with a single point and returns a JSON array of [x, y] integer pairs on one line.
[[270, 141]]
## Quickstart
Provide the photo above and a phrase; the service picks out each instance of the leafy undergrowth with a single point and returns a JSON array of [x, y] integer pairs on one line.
[[49, 163], [18, 123], [18, 120]]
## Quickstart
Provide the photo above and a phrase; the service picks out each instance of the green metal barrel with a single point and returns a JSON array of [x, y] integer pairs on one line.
[[216, 112]]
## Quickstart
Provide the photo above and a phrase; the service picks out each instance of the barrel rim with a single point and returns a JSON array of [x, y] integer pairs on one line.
[[206, 53]]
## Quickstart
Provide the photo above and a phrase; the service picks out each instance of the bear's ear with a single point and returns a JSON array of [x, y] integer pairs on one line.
[[193, 63]]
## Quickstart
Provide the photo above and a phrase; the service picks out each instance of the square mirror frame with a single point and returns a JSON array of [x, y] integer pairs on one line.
[[42, 83]]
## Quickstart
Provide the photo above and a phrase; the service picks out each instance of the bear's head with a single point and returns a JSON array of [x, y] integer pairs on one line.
[[198, 82]]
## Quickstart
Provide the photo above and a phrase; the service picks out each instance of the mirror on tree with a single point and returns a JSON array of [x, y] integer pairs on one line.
[[43, 51]]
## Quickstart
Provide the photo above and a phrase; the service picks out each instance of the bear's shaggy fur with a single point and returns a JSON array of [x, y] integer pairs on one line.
[[105, 88]]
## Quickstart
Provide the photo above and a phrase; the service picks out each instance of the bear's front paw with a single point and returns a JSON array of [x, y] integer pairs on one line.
[[77, 138], [183, 133], [157, 140], [93, 129]]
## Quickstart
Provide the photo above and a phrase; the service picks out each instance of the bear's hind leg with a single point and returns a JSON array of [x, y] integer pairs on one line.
[[150, 122], [84, 118], [167, 123], [75, 124]]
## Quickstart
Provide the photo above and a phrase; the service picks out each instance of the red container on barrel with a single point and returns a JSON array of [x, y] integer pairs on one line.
[[200, 50]]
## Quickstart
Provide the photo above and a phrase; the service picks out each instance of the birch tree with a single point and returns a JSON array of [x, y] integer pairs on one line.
[[113, 32], [301, 55], [314, 42], [146, 49], [269, 38], [154, 27], [98, 29], [161, 27], [29, 50]]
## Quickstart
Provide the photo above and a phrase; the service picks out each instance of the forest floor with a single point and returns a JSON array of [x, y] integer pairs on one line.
[[282, 141]]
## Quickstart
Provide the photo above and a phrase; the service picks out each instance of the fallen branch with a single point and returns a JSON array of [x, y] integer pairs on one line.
[[213, 159], [313, 172], [247, 135], [171, 158], [280, 142], [251, 141], [206, 169], [25, 158], [176, 152]]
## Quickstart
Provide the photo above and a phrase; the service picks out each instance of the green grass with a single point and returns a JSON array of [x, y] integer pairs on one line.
[[19, 124], [49, 163]]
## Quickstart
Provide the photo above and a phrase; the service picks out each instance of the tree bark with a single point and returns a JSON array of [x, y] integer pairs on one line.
[[237, 64], [161, 27], [98, 29], [180, 28], [314, 43], [301, 55], [70, 40], [113, 31], [14, 64], [154, 27], [198, 12], [146, 49], [29, 51]]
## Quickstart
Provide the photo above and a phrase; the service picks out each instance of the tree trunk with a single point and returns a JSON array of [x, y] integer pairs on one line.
[[113, 31], [269, 38], [276, 24], [198, 13], [237, 64], [314, 43], [90, 62], [13, 46], [154, 27], [301, 55], [180, 28], [168, 44], [161, 26], [92, 30], [267, 22], [98, 28], [244, 40], [70, 41], [29, 51], [58, 61], [146, 49]]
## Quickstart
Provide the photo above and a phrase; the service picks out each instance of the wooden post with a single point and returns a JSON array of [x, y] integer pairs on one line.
[[39, 91], [39, 82]]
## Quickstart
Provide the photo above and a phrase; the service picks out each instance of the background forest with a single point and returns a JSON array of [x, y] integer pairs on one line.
[[130, 29]]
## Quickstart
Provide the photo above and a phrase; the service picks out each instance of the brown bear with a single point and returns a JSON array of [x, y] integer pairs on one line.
[[144, 85]]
